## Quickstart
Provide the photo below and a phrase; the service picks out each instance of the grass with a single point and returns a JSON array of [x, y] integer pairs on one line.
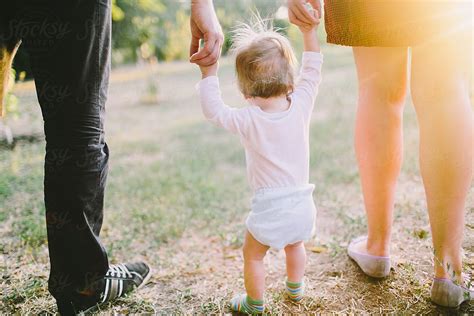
[[177, 197]]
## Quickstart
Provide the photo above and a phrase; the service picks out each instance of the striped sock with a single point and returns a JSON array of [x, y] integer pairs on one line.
[[245, 304], [295, 290]]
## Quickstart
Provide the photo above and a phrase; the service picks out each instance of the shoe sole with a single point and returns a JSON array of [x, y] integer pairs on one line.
[[447, 306]]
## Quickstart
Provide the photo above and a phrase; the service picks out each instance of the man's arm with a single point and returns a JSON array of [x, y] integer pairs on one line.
[[205, 26]]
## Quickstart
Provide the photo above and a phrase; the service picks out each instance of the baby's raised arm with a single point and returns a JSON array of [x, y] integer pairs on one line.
[[309, 79], [214, 108], [310, 74]]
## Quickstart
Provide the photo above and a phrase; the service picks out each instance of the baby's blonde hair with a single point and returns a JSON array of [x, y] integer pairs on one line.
[[264, 60]]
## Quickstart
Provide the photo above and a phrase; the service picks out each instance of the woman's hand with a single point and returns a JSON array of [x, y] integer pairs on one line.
[[205, 26], [299, 14]]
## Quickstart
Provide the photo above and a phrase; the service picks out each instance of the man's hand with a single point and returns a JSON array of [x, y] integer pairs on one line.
[[301, 16], [205, 26]]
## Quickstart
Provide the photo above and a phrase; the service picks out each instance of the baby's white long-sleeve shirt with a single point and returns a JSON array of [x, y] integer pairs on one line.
[[276, 144]]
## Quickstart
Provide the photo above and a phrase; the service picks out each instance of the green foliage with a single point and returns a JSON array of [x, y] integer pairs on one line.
[[135, 22], [176, 47], [117, 12]]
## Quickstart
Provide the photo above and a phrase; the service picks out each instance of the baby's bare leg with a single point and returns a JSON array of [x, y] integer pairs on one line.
[[254, 271], [254, 275], [295, 261], [295, 266]]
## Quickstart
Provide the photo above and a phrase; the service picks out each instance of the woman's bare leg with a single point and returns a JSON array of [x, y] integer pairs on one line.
[[382, 75], [440, 91]]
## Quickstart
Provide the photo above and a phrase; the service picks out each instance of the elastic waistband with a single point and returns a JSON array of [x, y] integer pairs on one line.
[[286, 189]]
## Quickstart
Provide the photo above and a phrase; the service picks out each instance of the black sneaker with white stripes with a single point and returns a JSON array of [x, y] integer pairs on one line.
[[119, 280], [124, 278]]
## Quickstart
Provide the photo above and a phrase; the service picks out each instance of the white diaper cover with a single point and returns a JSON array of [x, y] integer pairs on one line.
[[282, 216]]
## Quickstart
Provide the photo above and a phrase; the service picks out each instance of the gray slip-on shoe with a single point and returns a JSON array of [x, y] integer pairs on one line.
[[374, 266]]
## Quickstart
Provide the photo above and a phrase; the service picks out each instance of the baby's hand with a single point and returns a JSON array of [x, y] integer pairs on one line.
[[211, 70], [313, 26]]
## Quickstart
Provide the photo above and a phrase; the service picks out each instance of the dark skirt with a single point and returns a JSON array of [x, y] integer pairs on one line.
[[392, 23]]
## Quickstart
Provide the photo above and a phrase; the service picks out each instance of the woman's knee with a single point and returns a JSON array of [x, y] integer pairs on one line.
[[382, 103], [383, 97]]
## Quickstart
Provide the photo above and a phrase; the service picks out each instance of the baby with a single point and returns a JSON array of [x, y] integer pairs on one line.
[[274, 130]]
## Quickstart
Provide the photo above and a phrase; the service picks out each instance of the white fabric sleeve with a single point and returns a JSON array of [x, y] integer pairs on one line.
[[308, 81], [216, 111]]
